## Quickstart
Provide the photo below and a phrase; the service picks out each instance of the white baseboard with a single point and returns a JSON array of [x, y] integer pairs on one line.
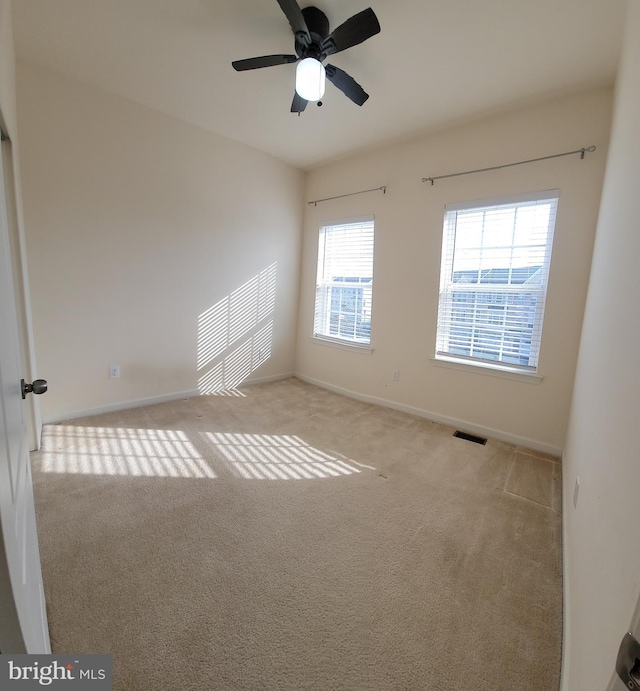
[[463, 425], [152, 400], [120, 405], [429, 415], [266, 380]]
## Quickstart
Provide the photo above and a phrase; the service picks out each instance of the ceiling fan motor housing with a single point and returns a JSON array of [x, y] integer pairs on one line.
[[318, 26]]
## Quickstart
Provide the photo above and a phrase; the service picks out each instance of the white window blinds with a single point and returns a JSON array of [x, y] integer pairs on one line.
[[493, 280], [345, 282]]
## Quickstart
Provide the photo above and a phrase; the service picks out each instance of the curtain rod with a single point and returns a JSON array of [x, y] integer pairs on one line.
[[315, 202], [582, 152]]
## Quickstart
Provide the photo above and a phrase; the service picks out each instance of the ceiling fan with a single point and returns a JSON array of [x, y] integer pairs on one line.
[[313, 44]]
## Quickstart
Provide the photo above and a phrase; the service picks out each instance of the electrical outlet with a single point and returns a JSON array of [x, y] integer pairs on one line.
[[576, 491], [395, 375], [114, 371]]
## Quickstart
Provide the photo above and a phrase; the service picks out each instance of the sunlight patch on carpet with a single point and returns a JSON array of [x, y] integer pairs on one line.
[[278, 457], [122, 451]]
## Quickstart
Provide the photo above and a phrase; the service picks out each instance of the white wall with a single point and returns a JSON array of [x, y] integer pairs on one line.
[[137, 224], [407, 264], [602, 559]]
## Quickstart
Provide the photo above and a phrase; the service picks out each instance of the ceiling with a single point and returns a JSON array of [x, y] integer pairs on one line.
[[435, 63]]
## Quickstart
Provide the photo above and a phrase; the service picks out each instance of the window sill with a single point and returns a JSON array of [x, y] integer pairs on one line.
[[491, 370], [343, 345]]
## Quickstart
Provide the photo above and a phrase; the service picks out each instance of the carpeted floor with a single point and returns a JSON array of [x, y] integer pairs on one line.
[[284, 537]]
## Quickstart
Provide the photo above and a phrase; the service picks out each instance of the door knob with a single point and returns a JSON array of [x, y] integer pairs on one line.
[[39, 386], [628, 663]]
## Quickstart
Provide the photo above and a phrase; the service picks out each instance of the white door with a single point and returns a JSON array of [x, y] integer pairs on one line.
[[23, 619]]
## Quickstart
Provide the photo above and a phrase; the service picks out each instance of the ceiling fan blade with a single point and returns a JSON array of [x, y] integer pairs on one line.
[[347, 84], [263, 61], [298, 104], [296, 19], [355, 30]]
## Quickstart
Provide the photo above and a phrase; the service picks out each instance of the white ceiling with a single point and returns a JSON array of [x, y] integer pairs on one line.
[[435, 62]]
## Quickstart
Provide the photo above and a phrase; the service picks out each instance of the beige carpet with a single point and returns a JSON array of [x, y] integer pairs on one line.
[[284, 537]]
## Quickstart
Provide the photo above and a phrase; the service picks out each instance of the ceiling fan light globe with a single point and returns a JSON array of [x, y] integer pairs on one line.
[[310, 79]]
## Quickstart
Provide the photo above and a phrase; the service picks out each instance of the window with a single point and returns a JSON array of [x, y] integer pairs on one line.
[[493, 280], [345, 282]]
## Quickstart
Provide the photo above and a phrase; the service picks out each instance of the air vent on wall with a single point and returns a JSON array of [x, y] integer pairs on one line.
[[469, 437]]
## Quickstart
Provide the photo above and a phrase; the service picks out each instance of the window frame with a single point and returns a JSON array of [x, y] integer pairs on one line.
[[447, 286], [323, 288]]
